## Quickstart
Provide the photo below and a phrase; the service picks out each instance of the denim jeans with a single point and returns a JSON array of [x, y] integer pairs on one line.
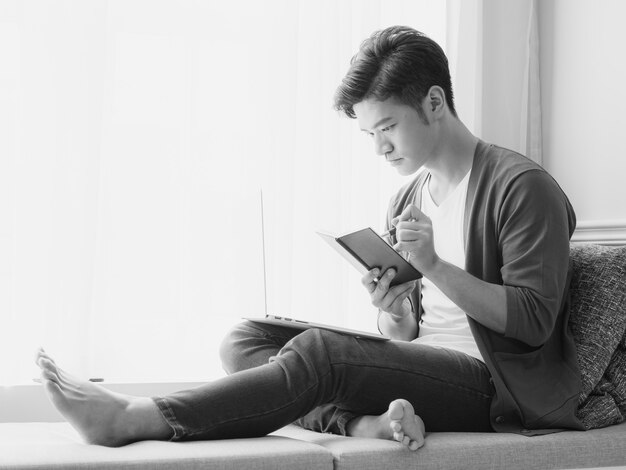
[[321, 380]]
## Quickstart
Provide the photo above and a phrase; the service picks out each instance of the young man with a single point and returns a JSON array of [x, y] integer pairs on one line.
[[483, 342]]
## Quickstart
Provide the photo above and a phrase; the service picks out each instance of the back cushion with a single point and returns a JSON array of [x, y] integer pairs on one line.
[[598, 322]]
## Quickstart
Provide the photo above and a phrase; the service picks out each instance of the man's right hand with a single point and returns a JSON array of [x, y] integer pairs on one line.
[[393, 300]]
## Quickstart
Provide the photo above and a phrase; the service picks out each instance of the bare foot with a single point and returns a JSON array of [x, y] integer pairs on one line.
[[407, 427], [399, 423], [101, 417]]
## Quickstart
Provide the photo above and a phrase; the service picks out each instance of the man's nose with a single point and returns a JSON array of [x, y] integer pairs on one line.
[[382, 145]]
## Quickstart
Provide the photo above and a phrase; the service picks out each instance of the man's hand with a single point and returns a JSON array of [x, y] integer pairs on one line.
[[483, 301], [414, 232], [392, 300]]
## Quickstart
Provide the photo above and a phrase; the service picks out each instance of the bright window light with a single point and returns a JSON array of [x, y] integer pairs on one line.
[[135, 139]]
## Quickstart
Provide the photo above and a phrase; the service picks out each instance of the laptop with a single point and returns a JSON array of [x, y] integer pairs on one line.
[[301, 324], [305, 325]]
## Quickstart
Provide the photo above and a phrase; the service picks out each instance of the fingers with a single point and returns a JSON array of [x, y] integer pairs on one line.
[[410, 223], [383, 289], [373, 282], [397, 295], [383, 296], [416, 239], [382, 286], [410, 212], [413, 230], [389, 298], [370, 280]]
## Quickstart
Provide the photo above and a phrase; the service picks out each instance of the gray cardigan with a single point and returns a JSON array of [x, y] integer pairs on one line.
[[517, 227]]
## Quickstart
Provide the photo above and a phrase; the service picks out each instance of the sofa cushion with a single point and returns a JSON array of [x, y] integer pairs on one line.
[[58, 446], [570, 449], [606, 404], [598, 322]]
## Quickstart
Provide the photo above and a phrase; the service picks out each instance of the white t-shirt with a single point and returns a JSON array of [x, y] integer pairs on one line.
[[443, 323]]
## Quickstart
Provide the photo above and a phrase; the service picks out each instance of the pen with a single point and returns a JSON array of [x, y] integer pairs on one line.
[[388, 233]]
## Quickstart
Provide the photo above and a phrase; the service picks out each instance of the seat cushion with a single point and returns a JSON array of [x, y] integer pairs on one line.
[[58, 446], [571, 449], [598, 322]]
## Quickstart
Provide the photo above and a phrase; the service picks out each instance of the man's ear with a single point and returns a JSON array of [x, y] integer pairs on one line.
[[436, 99]]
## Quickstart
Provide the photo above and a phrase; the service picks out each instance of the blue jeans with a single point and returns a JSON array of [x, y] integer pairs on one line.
[[321, 380]]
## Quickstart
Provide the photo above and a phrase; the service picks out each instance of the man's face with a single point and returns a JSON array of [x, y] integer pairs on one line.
[[398, 133]]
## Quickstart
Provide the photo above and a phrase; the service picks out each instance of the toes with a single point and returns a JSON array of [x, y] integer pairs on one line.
[[395, 426], [420, 440], [407, 427], [49, 371], [420, 426], [49, 376], [41, 353], [53, 389], [396, 410], [47, 364], [414, 445]]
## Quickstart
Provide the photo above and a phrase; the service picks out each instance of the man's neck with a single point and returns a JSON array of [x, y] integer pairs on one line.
[[454, 159]]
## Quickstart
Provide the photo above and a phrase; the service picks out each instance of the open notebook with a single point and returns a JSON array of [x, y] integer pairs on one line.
[[301, 324]]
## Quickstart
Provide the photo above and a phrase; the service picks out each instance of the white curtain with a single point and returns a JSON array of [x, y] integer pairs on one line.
[[135, 138], [493, 48]]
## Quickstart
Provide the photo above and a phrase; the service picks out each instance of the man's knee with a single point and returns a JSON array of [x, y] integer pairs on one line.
[[250, 344], [232, 347], [315, 344]]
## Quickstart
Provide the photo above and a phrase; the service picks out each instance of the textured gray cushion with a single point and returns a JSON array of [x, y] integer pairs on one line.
[[598, 322]]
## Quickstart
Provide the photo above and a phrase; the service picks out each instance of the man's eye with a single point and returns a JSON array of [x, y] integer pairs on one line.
[[385, 129]]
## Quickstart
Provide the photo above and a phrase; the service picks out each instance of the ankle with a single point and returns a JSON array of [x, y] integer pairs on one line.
[[352, 426], [144, 421]]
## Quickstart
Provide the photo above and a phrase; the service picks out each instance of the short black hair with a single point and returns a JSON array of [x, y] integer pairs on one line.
[[399, 62]]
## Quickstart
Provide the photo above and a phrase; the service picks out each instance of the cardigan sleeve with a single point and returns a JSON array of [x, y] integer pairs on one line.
[[407, 194], [534, 228]]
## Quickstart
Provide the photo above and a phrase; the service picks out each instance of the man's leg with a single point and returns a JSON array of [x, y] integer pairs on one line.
[[250, 344], [447, 389], [101, 416], [249, 403]]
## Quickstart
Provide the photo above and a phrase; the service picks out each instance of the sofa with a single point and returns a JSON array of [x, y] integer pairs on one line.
[[598, 322]]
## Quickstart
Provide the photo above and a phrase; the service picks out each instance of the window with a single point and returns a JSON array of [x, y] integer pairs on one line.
[[135, 138]]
